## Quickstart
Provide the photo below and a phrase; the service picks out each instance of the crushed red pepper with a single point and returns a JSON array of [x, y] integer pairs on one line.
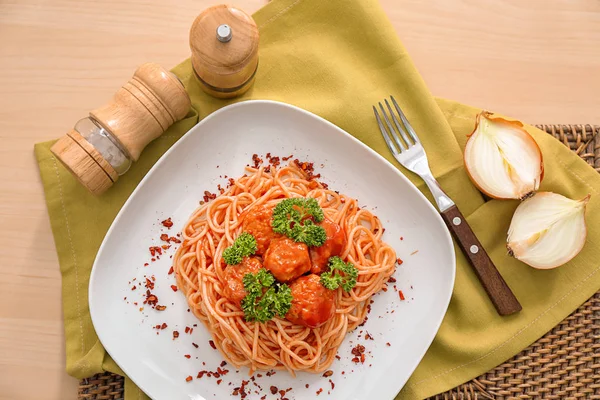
[[401, 295], [154, 250], [212, 344], [167, 223], [208, 196]]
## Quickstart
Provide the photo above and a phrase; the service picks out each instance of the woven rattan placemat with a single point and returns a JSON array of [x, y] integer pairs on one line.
[[563, 364]]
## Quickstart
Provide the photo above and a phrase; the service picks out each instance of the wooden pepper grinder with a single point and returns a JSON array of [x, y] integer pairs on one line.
[[224, 44], [102, 146]]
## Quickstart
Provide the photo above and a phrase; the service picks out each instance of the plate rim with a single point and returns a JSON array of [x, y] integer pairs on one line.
[[331, 125]]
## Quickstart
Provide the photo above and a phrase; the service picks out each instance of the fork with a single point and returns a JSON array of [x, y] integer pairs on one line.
[[406, 147]]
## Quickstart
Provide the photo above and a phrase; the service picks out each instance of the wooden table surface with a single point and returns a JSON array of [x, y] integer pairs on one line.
[[537, 60]]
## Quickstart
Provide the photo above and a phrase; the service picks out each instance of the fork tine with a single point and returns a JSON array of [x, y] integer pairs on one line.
[[401, 145], [384, 132], [398, 125], [407, 124]]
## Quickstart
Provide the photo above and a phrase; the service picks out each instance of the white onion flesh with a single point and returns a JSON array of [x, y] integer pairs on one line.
[[503, 159], [547, 230]]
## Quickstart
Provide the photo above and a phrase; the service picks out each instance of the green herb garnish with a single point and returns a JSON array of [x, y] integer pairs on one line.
[[244, 246], [339, 274], [265, 298], [291, 217]]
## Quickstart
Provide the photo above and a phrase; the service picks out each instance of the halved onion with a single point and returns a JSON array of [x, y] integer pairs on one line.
[[547, 230], [502, 159]]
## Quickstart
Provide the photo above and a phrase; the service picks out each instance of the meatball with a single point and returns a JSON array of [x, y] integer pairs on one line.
[[258, 223], [312, 304], [234, 287], [333, 246], [287, 259]]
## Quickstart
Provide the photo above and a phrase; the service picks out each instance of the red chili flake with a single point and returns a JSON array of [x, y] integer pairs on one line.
[[189, 378], [306, 386], [256, 160], [401, 295], [287, 158], [195, 345], [208, 196], [399, 261], [133, 287], [343, 372], [164, 237], [384, 288], [161, 308], [212, 344], [401, 238], [338, 357], [219, 381], [274, 389], [358, 351], [146, 264], [327, 373], [319, 391], [175, 335], [167, 223], [149, 284], [165, 247], [392, 279], [153, 259], [163, 326], [154, 250], [187, 356], [308, 168], [174, 288], [201, 374], [332, 384], [282, 392], [151, 299], [368, 336], [174, 239], [224, 363], [170, 270], [187, 329], [388, 344]]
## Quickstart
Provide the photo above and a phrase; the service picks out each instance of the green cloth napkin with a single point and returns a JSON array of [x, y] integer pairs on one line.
[[336, 58]]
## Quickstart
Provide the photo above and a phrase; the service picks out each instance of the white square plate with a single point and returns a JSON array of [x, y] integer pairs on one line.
[[222, 144]]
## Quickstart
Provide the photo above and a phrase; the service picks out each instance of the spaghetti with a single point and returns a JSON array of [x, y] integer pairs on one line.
[[277, 343]]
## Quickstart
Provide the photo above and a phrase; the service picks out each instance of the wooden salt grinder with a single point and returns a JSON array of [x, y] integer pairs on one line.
[[224, 44], [102, 146]]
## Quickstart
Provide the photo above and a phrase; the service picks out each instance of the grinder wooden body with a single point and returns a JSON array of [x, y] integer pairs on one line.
[[141, 110]]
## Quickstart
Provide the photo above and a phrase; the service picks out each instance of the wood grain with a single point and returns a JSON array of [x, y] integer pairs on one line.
[[495, 286], [535, 60]]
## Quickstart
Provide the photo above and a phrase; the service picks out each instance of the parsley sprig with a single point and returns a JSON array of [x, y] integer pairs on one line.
[[243, 246], [339, 274], [291, 217], [265, 298]]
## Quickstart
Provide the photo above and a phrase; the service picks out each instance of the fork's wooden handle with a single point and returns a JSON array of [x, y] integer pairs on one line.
[[502, 297]]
